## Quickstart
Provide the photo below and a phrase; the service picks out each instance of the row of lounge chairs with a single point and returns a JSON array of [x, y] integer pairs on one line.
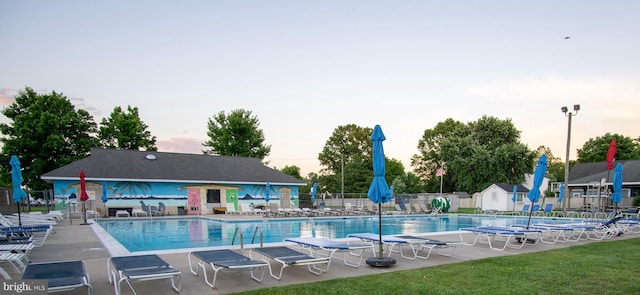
[[517, 235], [20, 235], [274, 210], [314, 253]]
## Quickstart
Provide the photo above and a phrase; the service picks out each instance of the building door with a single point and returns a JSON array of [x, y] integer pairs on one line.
[[285, 199], [193, 200]]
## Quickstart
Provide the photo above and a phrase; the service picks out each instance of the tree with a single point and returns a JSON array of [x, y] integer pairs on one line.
[[292, 171], [350, 147], [236, 134], [346, 143], [430, 158], [46, 132], [474, 155], [126, 131], [555, 167], [595, 150]]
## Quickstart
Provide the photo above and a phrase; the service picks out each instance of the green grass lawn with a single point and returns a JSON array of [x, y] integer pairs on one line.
[[609, 267]]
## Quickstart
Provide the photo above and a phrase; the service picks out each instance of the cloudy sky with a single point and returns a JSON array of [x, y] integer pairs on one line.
[[306, 67]]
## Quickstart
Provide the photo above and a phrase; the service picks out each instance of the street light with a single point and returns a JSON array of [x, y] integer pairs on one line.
[[565, 110]]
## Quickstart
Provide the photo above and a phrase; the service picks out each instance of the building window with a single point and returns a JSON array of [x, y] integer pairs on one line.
[[494, 196], [213, 196]]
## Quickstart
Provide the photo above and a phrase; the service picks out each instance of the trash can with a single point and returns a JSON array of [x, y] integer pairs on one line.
[[321, 205], [181, 210]]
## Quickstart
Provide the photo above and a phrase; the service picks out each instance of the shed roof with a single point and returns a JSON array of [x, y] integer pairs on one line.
[[509, 187]]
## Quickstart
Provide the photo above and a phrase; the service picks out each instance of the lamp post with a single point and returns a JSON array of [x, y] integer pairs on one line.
[[342, 179], [565, 110]]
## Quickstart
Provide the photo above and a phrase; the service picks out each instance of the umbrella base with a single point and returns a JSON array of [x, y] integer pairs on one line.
[[528, 240], [381, 261], [85, 223]]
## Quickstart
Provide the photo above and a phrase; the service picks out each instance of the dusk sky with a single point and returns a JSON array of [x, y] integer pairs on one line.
[[306, 67]]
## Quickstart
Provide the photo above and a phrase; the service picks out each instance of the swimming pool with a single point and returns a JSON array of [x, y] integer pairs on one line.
[[146, 234]]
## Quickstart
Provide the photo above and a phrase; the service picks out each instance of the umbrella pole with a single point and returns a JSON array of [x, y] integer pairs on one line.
[[380, 260], [530, 213], [380, 229], [19, 218]]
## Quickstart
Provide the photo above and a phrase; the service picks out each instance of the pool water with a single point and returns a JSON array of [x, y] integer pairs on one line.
[[145, 234]]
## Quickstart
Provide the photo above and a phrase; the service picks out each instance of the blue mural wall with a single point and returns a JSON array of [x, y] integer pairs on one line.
[[131, 194]]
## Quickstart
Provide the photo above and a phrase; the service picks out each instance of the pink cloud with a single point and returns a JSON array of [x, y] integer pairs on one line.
[[7, 96], [181, 145]]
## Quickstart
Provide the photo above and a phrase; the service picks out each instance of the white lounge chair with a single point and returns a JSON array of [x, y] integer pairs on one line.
[[415, 243], [122, 213], [141, 268], [138, 213], [328, 248], [489, 235], [17, 260], [225, 261], [288, 257], [231, 209], [60, 276]]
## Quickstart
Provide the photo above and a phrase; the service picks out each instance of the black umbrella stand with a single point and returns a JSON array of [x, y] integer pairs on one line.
[[528, 240], [380, 260], [84, 214]]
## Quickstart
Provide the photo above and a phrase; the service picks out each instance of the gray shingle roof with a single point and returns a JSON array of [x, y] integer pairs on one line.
[[132, 165], [509, 187], [584, 173]]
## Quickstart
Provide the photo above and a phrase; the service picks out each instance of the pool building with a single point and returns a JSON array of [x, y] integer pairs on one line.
[[188, 184]]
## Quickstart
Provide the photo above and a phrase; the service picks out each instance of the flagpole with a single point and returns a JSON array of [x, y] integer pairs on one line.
[[440, 185]]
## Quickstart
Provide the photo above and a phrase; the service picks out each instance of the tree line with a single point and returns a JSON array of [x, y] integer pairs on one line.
[[47, 132]]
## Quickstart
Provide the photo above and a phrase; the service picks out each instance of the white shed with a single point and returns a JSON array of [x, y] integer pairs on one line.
[[498, 196]]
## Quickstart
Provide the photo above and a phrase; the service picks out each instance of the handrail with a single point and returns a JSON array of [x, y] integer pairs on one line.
[[258, 229], [233, 241]]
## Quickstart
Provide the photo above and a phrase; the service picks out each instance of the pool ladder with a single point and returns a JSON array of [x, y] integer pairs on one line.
[[257, 231]]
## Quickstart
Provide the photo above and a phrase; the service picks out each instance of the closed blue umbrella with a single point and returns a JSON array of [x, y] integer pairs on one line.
[[616, 196], [104, 192], [515, 197], [104, 196], [314, 189], [379, 191], [538, 178], [267, 193], [16, 181], [561, 197]]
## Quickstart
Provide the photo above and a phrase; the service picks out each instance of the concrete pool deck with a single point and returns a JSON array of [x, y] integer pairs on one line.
[[79, 242]]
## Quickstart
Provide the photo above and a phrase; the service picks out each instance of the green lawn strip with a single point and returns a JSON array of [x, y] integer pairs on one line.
[[609, 267]]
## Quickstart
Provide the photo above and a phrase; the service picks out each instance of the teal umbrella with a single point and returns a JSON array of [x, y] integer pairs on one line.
[[515, 197], [104, 196], [379, 191], [538, 178], [314, 189], [104, 192], [267, 193], [616, 196], [561, 197], [16, 180]]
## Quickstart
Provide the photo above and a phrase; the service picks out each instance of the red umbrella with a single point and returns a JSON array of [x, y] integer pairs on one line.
[[83, 188], [611, 154], [83, 196]]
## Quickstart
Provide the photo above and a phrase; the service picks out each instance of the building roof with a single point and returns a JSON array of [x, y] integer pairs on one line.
[[509, 187], [586, 173], [133, 165]]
